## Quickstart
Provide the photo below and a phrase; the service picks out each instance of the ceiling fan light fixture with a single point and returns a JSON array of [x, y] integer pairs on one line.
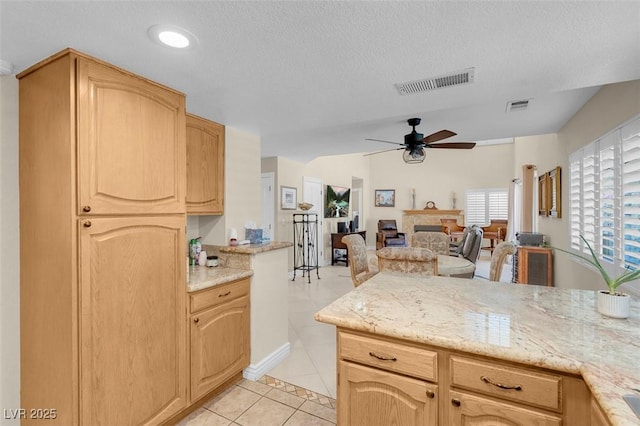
[[413, 156]]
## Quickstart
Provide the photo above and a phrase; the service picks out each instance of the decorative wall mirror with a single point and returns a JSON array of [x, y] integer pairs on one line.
[[555, 190], [543, 195]]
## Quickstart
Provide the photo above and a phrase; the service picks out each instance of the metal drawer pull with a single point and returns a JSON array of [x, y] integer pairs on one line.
[[455, 402], [431, 394], [225, 294], [500, 385], [383, 357]]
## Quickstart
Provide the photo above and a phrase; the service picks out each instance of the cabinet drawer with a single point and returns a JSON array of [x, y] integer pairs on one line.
[[401, 358], [216, 295], [507, 382]]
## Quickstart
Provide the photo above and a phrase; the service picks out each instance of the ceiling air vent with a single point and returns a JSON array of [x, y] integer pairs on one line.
[[513, 106], [448, 80]]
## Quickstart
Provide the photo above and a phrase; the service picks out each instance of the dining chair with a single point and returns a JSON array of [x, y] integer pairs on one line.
[[409, 260], [498, 257], [434, 241], [358, 262]]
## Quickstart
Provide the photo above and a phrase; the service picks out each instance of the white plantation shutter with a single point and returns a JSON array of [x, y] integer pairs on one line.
[[630, 135], [605, 198], [575, 200], [485, 204], [608, 195]]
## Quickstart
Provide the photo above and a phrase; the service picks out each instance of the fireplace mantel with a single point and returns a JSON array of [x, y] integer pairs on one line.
[[410, 218], [436, 212]]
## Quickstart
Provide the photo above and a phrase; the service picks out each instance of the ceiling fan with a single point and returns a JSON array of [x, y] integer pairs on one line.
[[415, 143]]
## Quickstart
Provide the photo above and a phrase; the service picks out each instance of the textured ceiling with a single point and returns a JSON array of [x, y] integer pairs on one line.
[[317, 78]]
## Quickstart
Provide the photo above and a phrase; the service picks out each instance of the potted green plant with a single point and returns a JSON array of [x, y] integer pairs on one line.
[[610, 303]]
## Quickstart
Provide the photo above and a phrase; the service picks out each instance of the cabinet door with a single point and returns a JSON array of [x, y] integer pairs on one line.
[[131, 143], [132, 320], [598, 418], [367, 396], [469, 410], [219, 344], [205, 166]]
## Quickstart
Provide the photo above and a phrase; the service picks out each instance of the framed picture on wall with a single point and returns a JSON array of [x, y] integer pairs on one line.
[[385, 198], [288, 198]]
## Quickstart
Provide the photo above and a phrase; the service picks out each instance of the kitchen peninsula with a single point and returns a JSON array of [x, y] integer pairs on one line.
[[269, 315], [446, 350]]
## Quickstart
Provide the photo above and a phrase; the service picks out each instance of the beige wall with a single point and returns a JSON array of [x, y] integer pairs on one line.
[[607, 109], [10, 248], [442, 173], [242, 188], [331, 170]]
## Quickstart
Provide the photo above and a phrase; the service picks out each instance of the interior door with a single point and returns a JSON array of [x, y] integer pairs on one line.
[[312, 193], [268, 203], [132, 320]]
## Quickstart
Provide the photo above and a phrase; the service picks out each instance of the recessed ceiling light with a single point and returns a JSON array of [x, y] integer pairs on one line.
[[172, 36]]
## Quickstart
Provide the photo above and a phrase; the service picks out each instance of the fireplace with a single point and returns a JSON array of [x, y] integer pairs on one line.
[[411, 218]]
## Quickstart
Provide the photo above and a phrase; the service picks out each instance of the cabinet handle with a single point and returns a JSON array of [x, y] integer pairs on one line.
[[87, 224], [86, 209], [455, 402], [383, 357], [196, 320], [225, 294], [431, 394], [500, 385]]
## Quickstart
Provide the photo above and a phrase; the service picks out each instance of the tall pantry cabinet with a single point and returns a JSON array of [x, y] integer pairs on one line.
[[102, 242]]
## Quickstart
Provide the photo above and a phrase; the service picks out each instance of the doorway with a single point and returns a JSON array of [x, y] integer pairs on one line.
[[312, 193], [268, 201]]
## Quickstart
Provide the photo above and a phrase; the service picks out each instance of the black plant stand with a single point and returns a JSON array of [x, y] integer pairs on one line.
[[305, 240]]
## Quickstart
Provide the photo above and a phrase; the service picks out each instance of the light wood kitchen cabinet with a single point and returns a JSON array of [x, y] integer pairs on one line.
[[131, 143], [368, 396], [382, 378], [470, 410], [380, 393], [205, 166], [132, 350], [219, 335], [102, 241]]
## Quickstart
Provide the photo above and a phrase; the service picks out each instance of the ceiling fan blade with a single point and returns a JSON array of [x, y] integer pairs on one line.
[[379, 140], [438, 136], [452, 145], [380, 152]]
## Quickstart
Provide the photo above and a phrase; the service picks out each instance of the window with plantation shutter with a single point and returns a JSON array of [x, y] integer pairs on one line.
[[485, 204], [605, 198]]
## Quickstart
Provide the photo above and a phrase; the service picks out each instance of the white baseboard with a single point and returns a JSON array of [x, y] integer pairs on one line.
[[255, 371]]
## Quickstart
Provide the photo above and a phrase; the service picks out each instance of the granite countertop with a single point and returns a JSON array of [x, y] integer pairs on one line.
[[256, 248], [546, 327], [201, 277]]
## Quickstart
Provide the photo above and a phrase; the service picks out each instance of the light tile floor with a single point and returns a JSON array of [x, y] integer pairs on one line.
[[301, 390]]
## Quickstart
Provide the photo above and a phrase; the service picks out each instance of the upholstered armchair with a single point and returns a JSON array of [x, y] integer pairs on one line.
[[469, 247], [388, 235], [358, 262], [437, 242], [408, 260]]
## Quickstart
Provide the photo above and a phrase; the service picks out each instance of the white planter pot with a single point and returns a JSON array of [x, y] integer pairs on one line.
[[614, 306]]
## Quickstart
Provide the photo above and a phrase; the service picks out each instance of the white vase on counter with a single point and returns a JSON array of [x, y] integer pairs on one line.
[[613, 305]]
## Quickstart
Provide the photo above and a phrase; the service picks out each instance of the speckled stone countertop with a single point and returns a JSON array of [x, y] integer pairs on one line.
[[255, 248], [553, 328], [201, 277]]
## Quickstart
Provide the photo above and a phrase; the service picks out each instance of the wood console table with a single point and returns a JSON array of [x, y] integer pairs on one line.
[[336, 243]]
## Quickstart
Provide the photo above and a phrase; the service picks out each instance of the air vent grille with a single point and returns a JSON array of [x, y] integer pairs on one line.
[[427, 84], [513, 106]]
